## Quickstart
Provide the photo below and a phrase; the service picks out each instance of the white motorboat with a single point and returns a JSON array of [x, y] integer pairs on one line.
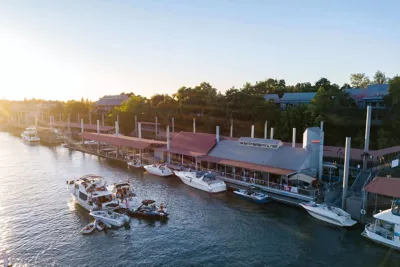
[[123, 192], [159, 169], [110, 217], [329, 214], [90, 191], [88, 228], [202, 180], [386, 228], [30, 135], [252, 195], [135, 163]]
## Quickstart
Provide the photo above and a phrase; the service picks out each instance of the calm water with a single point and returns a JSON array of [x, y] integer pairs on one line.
[[39, 224]]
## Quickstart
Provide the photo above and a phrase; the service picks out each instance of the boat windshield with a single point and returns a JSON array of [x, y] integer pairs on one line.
[[396, 207]]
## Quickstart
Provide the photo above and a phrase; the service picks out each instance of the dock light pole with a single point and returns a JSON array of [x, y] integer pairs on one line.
[[231, 128], [69, 123], [265, 129], [346, 171], [156, 127], [168, 146]]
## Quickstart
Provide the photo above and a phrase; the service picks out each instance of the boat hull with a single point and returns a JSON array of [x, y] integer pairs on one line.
[[158, 172], [380, 240], [134, 165], [147, 215], [212, 188], [323, 217]]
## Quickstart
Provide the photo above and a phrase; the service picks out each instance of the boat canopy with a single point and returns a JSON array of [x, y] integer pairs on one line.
[[302, 177]]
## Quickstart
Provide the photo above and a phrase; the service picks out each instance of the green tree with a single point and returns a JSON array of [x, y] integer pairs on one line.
[[359, 80]]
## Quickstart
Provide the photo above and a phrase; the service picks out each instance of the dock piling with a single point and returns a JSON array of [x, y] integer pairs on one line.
[[217, 134], [140, 130], [346, 171], [321, 152], [252, 131], [367, 134], [272, 133], [294, 138], [266, 130], [194, 125]]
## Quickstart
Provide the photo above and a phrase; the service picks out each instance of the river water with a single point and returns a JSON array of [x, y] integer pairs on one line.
[[40, 225]]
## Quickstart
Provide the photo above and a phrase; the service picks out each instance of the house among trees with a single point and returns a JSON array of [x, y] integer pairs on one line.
[[373, 95], [108, 102], [291, 99]]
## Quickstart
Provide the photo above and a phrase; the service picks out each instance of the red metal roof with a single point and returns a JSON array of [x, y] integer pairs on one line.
[[384, 186], [192, 144], [122, 140], [246, 165]]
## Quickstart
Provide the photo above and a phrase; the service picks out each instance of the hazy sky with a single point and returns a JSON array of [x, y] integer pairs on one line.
[[71, 49]]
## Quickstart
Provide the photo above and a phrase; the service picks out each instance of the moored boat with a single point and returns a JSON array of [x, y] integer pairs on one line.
[[159, 169], [110, 217], [330, 214], [124, 194], [135, 163], [90, 191], [250, 194], [386, 228], [205, 181], [30, 135], [88, 228], [149, 210], [100, 226]]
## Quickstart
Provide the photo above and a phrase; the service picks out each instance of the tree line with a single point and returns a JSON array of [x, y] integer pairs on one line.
[[247, 106]]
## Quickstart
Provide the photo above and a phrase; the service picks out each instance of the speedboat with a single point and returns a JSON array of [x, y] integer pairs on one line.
[[30, 135], [123, 192], [252, 195], [159, 169], [110, 217], [386, 228], [88, 228], [135, 163], [329, 214], [90, 191], [149, 210], [205, 181]]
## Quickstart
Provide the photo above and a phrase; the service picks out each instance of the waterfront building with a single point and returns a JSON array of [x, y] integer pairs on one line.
[[108, 102]]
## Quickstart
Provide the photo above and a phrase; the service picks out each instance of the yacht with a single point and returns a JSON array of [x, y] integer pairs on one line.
[[159, 169], [123, 192], [252, 195], [90, 191], [328, 214], [386, 228], [110, 217], [30, 135], [202, 180]]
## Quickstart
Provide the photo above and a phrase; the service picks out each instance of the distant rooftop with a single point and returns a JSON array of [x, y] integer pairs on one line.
[[111, 100], [301, 97], [272, 97], [373, 91]]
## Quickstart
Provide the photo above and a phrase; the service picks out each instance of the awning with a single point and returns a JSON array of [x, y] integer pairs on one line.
[[384, 186], [302, 177]]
